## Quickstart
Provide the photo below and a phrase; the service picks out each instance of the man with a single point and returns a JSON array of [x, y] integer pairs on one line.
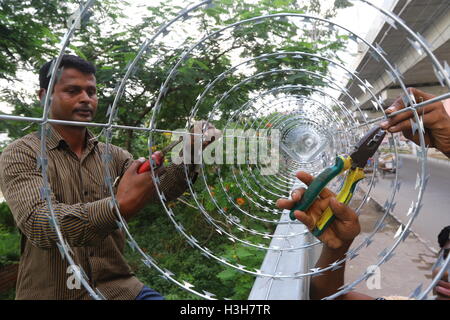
[[80, 199], [340, 234]]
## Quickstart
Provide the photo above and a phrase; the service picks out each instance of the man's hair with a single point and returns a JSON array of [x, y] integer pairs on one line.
[[444, 236], [67, 61]]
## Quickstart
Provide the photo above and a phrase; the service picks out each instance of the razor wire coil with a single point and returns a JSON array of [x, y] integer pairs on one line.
[[297, 112]]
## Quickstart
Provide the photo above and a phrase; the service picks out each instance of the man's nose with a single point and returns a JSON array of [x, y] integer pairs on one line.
[[84, 97]]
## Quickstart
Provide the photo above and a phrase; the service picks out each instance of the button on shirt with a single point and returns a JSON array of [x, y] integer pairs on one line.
[[82, 206]]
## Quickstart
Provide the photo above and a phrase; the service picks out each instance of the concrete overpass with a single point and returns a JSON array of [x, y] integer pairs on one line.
[[429, 18]]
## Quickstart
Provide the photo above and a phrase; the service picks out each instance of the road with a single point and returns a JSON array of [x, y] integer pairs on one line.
[[435, 213], [410, 266]]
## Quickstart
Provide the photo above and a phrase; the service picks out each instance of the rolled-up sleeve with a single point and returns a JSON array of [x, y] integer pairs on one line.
[[173, 182]]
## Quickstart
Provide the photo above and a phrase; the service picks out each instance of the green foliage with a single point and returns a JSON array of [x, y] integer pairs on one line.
[[9, 247], [157, 237], [9, 237], [240, 284], [24, 37], [8, 295], [6, 217], [112, 50]]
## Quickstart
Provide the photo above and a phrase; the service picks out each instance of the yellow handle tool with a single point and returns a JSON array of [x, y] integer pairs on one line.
[[344, 196]]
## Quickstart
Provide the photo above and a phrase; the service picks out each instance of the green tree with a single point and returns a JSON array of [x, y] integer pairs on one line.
[[25, 39]]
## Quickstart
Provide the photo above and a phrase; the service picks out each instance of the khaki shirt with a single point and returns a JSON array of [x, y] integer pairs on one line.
[[81, 203]]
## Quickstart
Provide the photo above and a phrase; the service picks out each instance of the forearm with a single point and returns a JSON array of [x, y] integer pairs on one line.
[[173, 182], [80, 224], [329, 282]]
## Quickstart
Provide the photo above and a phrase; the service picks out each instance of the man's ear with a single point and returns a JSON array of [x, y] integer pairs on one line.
[[41, 94]]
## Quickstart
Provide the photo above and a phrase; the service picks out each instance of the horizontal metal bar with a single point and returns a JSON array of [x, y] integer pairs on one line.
[[103, 125]]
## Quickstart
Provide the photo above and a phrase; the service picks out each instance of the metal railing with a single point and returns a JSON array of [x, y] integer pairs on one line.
[[287, 262]]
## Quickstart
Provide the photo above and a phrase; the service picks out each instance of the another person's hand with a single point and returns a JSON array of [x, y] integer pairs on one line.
[[343, 229], [442, 288], [436, 121], [205, 133], [210, 132], [134, 190]]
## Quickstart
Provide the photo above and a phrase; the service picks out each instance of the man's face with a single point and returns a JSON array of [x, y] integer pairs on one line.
[[74, 96]]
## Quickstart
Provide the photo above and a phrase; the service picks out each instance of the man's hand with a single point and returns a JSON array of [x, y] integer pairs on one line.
[[436, 121], [205, 133], [442, 288], [135, 190], [343, 229], [210, 132]]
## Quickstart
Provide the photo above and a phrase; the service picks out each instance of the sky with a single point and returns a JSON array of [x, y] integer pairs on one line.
[[360, 17]]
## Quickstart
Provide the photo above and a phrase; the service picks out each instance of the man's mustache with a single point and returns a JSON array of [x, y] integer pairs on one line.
[[84, 108]]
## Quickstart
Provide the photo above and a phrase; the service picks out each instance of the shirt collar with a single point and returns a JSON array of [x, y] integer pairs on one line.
[[55, 140]]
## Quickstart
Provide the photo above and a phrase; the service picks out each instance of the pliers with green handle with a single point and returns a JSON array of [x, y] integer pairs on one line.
[[354, 163]]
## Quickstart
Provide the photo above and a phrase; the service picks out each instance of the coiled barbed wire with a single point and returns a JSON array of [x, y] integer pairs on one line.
[[295, 109]]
